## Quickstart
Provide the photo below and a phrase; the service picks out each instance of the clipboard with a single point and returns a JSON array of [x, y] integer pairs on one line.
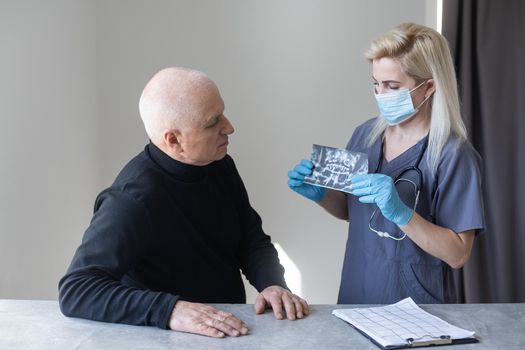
[[404, 325], [416, 344]]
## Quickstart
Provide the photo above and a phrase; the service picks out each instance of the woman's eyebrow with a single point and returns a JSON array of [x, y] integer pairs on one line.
[[387, 81]]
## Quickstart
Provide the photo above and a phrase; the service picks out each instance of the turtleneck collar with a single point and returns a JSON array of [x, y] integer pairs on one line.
[[179, 170]]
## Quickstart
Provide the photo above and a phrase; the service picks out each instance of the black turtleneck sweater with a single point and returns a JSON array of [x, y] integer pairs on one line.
[[166, 231]]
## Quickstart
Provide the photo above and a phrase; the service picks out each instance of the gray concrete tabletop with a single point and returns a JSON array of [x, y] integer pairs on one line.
[[30, 324]]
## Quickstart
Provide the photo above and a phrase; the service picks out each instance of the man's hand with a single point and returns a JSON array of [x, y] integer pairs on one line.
[[280, 299], [206, 320]]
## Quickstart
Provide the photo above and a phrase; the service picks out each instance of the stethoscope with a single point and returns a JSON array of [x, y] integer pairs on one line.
[[399, 178]]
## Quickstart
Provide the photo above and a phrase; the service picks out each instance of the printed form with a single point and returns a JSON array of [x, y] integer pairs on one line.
[[401, 323]]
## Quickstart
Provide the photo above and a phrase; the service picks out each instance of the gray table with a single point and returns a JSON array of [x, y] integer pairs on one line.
[[40, 325]]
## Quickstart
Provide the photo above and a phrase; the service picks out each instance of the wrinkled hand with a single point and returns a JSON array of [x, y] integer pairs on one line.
[[206, 320], [380, 189], [283, 302], [296, 181]]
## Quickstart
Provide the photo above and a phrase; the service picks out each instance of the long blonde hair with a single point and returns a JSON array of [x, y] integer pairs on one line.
[[423, 53]]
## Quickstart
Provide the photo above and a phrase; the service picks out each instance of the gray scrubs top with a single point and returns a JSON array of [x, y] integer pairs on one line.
[[380, 270]]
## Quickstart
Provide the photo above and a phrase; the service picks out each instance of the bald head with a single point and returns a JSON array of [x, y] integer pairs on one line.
[[174, 98]]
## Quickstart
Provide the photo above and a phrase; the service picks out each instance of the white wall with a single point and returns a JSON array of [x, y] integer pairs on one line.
[[48, 140], [291, 73]]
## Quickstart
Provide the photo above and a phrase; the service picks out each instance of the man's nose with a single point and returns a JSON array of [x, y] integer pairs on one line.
[[228, 127]]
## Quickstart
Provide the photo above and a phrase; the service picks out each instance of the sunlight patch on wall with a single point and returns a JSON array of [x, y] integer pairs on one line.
[[439, 15], [292, 274]]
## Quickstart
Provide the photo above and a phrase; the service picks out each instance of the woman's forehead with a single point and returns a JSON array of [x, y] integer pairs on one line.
[[387, 69]]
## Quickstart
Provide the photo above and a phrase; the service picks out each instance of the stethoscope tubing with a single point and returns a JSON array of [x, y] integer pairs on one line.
[[398, 178]]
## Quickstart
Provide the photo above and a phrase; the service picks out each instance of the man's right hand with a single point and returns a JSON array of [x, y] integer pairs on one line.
[[296, 181], [206, 320]]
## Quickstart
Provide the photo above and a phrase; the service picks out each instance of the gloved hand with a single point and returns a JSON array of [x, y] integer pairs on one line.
[[380, 189], [296, 181]]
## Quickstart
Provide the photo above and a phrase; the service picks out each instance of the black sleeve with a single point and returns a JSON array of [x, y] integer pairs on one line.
[[112, 244], [259, 259]]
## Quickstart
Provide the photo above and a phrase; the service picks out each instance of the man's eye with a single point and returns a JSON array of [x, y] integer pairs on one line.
[[213, 123]]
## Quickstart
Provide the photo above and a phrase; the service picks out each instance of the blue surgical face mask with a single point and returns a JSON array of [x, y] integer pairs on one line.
[[397, 107]]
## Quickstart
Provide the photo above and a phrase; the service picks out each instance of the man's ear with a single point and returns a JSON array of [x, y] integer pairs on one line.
[[173, 140]]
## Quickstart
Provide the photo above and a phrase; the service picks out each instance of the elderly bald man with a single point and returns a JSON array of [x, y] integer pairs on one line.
[[176, 227]]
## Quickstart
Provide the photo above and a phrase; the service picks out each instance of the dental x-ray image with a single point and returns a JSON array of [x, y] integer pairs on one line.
[[333, 167]]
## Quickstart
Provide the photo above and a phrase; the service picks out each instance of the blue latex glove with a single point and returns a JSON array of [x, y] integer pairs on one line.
[[380, 189], [296, 181]]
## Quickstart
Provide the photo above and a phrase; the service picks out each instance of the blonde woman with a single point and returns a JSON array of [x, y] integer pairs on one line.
[[414, 217]]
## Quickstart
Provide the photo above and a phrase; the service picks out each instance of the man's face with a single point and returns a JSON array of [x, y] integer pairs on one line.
[[206, 139]]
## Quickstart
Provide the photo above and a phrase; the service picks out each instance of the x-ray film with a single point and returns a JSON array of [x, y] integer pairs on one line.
[[333, 167]]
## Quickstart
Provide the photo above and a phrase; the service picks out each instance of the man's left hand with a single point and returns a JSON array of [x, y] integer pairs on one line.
[[283, 302]]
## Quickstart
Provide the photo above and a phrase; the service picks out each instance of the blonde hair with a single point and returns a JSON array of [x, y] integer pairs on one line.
[[422, 54]]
